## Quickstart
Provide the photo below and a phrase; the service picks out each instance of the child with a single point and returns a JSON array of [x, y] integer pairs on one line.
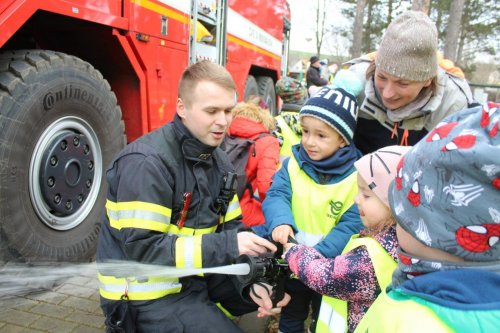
[[446, 203], [312, 195], [365, 267], [251, 122]]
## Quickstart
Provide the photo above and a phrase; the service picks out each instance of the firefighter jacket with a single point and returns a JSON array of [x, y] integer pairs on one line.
[[148, 184], [322, 214], [333, 314], [460, 300]]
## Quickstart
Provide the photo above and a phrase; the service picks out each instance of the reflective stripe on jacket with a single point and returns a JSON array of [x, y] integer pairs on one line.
[[333, 312]]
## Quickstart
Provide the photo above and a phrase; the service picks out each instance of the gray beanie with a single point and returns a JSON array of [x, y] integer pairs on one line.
[[409, 48], [447, 189]]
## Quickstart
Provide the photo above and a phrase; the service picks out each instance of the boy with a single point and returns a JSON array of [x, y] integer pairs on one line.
[[312, 195], [446, 201]]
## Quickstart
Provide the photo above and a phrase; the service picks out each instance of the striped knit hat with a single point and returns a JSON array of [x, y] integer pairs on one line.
[[336, 107]]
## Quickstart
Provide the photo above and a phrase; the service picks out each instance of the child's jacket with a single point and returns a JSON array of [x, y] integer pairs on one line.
[[350, 276], [321, 212], [260, 167]]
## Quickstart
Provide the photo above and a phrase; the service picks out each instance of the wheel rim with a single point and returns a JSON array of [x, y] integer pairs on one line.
[[65, 173]]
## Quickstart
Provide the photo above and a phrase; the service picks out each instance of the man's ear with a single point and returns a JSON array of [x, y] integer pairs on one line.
[[181, 108]]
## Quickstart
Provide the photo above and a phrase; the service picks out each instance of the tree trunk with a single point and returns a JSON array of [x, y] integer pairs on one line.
[[357, 35], [453, 30], [421, 5]]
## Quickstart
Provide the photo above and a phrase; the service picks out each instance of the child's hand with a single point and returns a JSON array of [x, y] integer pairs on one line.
[[280, 234]]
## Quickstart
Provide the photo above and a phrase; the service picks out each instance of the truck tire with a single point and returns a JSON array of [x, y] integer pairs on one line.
[[60, 127], [251, 88], [267, 93]]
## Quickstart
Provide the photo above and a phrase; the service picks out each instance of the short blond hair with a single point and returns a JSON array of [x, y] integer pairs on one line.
[[251, 111], [203, 71]]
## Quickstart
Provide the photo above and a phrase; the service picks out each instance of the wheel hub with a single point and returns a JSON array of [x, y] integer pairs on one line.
[[66, 173]]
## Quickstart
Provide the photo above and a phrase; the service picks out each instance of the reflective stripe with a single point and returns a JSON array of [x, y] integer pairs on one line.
[[185, 231], [334, 322], [113, 288], [188, 252], [136, 214], [308, 238], [233, 210]]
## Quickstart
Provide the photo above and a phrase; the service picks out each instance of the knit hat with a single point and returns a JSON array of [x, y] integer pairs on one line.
[[336, 107], [291, 90], [409, 48], [447, 193], [378, 169], [313, 59]]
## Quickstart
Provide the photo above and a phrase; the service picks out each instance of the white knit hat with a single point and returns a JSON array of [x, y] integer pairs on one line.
[[409, 48]]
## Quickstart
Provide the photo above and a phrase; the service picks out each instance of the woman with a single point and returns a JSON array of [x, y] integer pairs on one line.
[[406, 92]]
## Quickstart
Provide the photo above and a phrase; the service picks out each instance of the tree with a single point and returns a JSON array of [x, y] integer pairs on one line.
[[453, 30], [357, 34], [421, 5], [320, 30]]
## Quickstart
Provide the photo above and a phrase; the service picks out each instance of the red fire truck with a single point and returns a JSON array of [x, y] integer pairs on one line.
[[80, 78]]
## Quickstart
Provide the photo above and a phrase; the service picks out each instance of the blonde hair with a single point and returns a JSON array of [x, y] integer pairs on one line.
[[382, 227], [251, 111], [203, 71]]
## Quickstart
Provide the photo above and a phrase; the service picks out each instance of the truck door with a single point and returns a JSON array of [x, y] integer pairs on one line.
[[207, 33]]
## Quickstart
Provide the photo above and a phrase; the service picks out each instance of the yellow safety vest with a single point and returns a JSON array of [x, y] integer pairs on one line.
[[289, 133], [150, 216], [333, 312], [317, 208], [388, 315]]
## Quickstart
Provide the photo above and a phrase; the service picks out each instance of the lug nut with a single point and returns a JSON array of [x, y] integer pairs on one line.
[[51, 181], [90, 165], [57, 199], [86, 149], [53, 160], [68, 205], [76, 141], [64, 145], [88, 183]]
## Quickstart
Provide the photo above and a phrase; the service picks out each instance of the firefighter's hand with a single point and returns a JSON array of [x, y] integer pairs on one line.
[[253, 245], [281, 233], [261, 295]]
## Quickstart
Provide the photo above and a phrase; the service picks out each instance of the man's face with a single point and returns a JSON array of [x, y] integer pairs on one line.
[[395, 92], [209, 114]]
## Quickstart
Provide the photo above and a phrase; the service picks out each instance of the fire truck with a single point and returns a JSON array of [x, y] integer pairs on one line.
[[81, 78]]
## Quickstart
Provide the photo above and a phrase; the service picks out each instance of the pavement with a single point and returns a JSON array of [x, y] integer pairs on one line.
[[69, 307]]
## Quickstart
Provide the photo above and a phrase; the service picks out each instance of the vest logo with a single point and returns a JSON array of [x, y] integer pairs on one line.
[[335, 209]]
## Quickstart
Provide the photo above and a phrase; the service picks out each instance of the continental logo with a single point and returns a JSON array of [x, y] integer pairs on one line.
[[51, 98], [335, 209]]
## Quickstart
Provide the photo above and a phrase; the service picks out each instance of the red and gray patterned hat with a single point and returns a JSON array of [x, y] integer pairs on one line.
[[447, 189]]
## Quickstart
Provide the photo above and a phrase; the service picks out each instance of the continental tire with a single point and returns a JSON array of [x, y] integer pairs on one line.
[[267, 93], [60, 127]]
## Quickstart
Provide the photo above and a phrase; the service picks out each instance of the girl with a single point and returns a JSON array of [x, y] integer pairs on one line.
[[355, 277]]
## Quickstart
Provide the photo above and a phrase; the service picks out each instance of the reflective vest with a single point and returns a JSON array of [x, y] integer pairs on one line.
[[288, 128], [143, 215], [392, 314], [333, 312], [317, 208]]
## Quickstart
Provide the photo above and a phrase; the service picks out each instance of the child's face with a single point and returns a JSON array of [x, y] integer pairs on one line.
[[318, 139], [373, 212]]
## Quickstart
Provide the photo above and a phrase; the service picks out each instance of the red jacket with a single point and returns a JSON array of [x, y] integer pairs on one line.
[[260, 168]]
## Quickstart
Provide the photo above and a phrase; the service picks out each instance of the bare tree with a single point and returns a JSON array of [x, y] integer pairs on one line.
[[421, 5], [357, 35], [320, 24], [453, 30]]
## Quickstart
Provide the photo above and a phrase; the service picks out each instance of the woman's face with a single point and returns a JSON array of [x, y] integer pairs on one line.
[[395, 92]]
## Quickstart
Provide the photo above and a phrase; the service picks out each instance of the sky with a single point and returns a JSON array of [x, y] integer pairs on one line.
[[303, 19]]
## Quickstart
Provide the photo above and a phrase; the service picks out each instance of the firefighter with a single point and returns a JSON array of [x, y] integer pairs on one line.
[[170, 202]]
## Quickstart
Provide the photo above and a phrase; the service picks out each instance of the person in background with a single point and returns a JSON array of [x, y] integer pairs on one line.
[[312, 195], [446, 204], [168, 203], [255, 123], [293, 94], [324, 70], [406, 93], [313, 76], [351, 281]]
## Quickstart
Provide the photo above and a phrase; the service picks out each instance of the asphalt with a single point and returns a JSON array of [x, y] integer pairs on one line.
[[68, 307]]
